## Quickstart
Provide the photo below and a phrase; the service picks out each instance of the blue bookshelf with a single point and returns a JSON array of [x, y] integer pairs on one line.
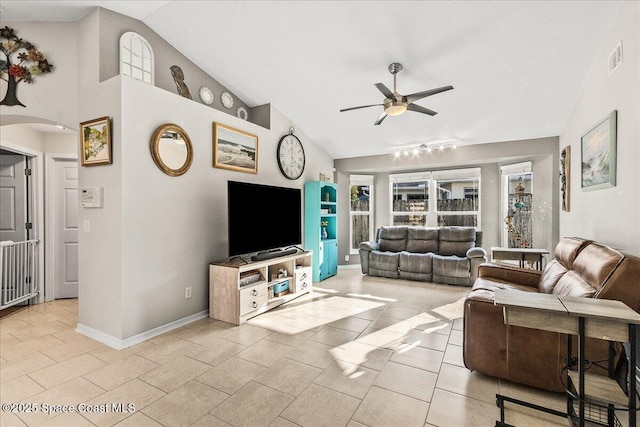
[[321, 227]]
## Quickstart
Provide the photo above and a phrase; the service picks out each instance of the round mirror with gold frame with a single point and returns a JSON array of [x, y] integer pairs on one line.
[[171, 149]]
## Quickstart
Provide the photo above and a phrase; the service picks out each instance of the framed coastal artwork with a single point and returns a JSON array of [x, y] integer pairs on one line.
[[598, 154], [234, 149]]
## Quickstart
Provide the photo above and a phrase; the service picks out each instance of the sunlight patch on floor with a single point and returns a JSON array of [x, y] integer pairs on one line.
[[325, 291], [452, 310], [312, 314], [323, 307], [372, 297], [393, 337]]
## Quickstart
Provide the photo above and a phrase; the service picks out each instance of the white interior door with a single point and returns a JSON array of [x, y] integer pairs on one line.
[[65, 211], [12, 197]]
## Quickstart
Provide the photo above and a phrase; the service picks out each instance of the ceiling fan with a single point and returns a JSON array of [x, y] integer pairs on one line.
[[396, 104]]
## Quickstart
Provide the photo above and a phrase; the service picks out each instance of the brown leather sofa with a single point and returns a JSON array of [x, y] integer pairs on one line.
[[581, 268]]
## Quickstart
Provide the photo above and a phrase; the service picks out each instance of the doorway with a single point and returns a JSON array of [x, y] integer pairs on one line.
[[52, 153], [15, 202], [62, 225], [20, 251]]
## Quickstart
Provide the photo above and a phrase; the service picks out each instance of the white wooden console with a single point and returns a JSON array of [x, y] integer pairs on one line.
[[239, 291]]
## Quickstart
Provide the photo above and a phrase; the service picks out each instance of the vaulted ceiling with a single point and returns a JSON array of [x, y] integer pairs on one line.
[[517, 67]]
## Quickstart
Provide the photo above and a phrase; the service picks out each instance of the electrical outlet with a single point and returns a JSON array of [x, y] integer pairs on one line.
[[187, 292], [346, 258]]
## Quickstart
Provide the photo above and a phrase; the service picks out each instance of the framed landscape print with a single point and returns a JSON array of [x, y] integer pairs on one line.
[[598, 149], [95, 142], [234, 149]]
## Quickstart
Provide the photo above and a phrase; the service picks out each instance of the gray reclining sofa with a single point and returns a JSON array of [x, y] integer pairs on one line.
[[445, 254]]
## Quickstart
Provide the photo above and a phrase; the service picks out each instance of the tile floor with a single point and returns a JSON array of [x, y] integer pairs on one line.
[[359, 351]]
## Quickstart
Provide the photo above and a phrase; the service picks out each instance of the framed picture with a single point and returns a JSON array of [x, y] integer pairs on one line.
[[234, 149], [598, 149], [95, 142]]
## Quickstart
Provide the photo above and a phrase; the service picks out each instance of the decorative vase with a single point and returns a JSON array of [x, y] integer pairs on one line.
[[324, 233]]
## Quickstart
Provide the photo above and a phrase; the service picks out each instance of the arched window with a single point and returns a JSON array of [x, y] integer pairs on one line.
[[136, 57]]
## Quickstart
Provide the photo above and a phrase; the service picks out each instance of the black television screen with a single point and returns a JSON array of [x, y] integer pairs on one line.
[[262, 217]]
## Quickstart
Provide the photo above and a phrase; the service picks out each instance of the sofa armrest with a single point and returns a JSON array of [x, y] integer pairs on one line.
[[507, 273], [476, 253], [369, 246], [365, 249], [477, 256]]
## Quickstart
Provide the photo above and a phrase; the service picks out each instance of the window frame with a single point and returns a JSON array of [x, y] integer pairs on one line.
[[355, 180], [432, 177], [126, 41], [459, 174], [507, 171], [422, 176]]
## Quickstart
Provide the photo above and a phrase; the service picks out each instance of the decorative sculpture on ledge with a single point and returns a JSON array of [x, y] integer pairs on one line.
[[178, 78], [21, 63]]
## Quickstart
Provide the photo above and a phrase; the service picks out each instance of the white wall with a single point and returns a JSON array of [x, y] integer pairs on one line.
[[612, 215], [113, 25], [173, 227], [44, 142], [52, 96], [157, 234], [23, 136], [100, 285]]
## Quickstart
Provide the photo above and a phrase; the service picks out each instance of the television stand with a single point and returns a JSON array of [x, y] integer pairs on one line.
[[239, 291], [242, 258], [273, 253]]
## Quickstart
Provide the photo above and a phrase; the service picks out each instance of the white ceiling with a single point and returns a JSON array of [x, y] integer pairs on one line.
[[517, 67]]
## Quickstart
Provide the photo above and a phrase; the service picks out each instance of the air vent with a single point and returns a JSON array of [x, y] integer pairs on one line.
[[615, 59]]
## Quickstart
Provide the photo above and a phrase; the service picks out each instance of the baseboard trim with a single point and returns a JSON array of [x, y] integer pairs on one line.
[[348, 266], [120, 344]]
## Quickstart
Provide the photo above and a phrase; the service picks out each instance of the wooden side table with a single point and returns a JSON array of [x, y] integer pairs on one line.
[[535, 256], [585, 317]]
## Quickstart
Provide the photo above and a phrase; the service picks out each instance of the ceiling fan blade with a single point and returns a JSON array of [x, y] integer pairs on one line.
[[356, 108], [419, 95], [385, 91], [419, 109], [381, 118]]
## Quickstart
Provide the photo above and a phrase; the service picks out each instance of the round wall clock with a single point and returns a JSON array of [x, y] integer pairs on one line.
[[226, 99], [290, 155]]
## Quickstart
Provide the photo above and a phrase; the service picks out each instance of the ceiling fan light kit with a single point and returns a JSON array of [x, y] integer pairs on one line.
[[394, 108], [396, 104]]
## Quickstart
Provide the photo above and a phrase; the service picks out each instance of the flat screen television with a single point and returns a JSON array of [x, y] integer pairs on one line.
[[262, 217]]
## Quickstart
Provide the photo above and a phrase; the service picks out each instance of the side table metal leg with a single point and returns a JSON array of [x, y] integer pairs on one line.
[[581, 367], [500, 403], [632, 376]]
